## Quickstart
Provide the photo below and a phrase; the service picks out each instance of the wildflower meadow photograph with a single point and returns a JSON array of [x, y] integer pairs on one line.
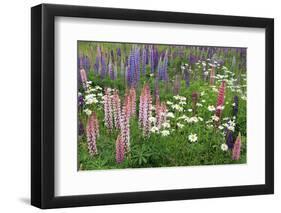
[[160, 105]]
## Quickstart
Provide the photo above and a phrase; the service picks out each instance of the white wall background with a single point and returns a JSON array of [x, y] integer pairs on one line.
[[15, 105]]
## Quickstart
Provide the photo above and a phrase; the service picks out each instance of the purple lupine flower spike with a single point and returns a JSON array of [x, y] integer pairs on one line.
[[229, 139], [119, 52], [80, 101], [143, 61], [103, 66]]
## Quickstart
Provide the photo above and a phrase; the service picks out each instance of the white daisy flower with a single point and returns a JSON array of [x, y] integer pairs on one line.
[[210, 126], [165, 132], [211, 108], [215, 118], [189, 110], [224, 147], [179, 125], [170, 115], [177, 97], [152, 119], [194, 119], [182, 103], [166, 125], [221, 127], [192, 138], [169, 102], [199, 104], [182, 117], [88, 112], [98, 87], [182, 98], [154, 129], [200, 119]]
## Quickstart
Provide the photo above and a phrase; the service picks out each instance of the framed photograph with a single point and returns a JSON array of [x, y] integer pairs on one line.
[[139, 106]]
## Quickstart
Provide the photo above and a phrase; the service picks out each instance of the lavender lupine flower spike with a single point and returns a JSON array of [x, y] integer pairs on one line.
[[111, 71], [97, 65], [165, 67], [137, 65], [103, 66], [143, 61], [131, 69], [119, 52], [187, 77], [80, 101], [151, 60]]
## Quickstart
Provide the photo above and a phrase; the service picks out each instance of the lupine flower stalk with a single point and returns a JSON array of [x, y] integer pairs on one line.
[[220, 99], [84, 79], [236, 148], [151, 60], [145, 110], [125, 123], [160, 113], [187, 77], [144, 55], [229, 139], [120, 149], [92, 134], [81, 101], [108, 118], [103, 66], [131, 69], [111, 71], [137, 65], [116, 109]]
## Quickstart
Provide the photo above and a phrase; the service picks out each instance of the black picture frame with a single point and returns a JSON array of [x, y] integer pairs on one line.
[[43, 102]]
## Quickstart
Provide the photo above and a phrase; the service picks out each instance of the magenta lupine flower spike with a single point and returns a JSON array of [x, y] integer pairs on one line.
[[120, 151], [125, 123], [220, 99], [116, 109], [108, 118], [236, 148], [84, 79], [92, 134]]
